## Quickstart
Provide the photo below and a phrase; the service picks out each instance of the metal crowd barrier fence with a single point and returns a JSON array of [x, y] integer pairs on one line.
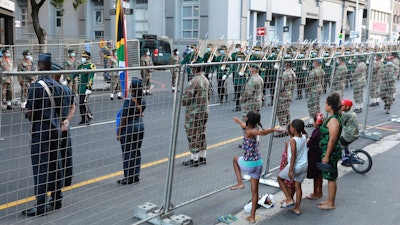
[[96, 197]]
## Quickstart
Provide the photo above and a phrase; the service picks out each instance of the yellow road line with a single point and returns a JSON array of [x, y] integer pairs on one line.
[[111, 175], [382, 128]]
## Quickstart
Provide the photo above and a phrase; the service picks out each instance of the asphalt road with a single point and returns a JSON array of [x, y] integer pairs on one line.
[[96, 198]]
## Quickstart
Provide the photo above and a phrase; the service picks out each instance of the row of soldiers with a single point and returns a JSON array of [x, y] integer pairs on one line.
[[310, 77], [70, 63]]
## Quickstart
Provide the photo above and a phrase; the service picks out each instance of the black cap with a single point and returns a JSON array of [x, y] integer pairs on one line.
[[26, 52]]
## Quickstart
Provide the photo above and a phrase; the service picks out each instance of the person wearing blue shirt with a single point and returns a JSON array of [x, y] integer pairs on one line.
[[131, 132]]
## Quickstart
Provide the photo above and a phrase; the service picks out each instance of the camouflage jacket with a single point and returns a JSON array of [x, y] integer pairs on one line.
[[339, 78], [196, 95], [70, 64], [360, 75], [376, 67], [288, 83], [251, 99], [146, 61], [26, 65], [315, 80], [350, 126], [388, 75]]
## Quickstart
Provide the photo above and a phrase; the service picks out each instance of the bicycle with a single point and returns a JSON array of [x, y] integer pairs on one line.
[[360, 160]]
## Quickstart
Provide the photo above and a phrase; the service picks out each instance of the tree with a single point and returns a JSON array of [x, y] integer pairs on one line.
[[39, 31]]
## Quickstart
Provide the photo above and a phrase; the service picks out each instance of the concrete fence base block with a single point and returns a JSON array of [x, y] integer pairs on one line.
[[178, 220], [374, 135], [146, 211], [150, 210]]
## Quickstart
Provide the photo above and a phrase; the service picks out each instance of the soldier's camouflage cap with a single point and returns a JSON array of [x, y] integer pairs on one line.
[[26, 52], [238, 46], [70, 50]]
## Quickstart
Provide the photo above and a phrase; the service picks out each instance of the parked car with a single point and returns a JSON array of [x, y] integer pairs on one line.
[[160, 48]]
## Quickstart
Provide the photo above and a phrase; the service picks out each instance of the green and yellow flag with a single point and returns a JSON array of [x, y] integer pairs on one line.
[[122, 50]]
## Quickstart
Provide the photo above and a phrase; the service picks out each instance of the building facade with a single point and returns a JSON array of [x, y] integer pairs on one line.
[[7, 23], [190, 20]]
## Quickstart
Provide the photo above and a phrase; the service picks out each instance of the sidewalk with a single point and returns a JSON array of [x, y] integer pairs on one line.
[[361, 199]]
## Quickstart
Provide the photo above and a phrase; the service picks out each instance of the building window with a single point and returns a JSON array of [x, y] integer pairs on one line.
[[98, 34], [141, 19], [24, 17], [190, 19], [59, 14], [98, 17]]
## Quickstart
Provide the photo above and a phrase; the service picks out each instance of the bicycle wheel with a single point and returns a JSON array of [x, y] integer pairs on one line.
[[361, 161]]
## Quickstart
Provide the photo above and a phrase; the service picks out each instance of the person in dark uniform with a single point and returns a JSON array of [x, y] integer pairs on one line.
[[131, 132], [45, 119], [67, 112]]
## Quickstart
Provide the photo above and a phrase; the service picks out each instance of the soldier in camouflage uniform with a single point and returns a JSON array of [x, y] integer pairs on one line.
[[174, 60], [222, 73], [302, 69], [314, 90], [239, 79], [25, 82], [396, 61], [285, 96], [338, 84], [374, 89], [114, 85], [70, 64], [6, 64], [85, 82], [359, 82], [251, 98], [195, 99], [145, 60], [387, 73]]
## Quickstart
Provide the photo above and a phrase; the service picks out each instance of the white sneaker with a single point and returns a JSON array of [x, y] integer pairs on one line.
[[23, 105], [112, 96]]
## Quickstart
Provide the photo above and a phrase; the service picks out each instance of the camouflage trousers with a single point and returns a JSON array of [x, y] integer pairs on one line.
[[387, 95], [146, 81], [6, 92], [114, 85], [73, 85], [338, 89], [24, 90], [313, 103], [358, 91], [195, 126], [374, 91], [174, 73], [282, 112]]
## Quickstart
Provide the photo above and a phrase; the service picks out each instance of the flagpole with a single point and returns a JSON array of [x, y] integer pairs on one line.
[[125, 49]]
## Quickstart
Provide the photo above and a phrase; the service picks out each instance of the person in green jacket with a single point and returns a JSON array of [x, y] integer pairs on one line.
[[239, 79], [85, 83], [222, 73]]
